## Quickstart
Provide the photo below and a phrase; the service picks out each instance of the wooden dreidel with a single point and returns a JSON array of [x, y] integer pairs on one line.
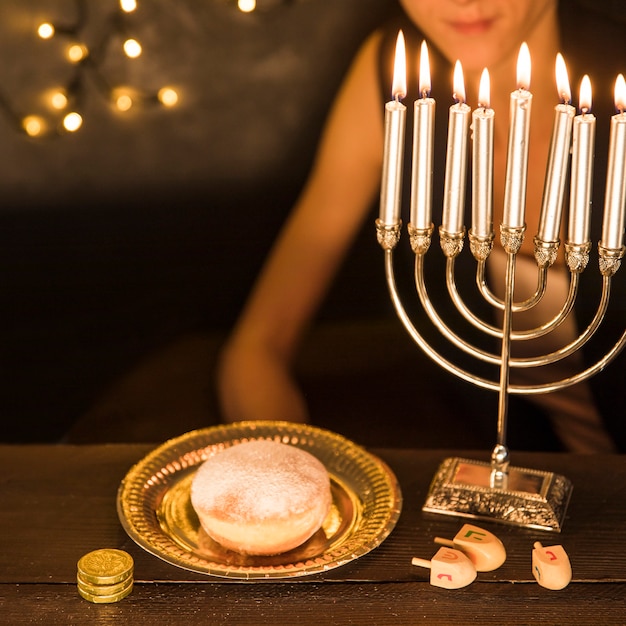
[[483, 548], [551, 567], [449, 569]]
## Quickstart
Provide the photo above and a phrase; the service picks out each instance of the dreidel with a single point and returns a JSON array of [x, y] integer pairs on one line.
[[483, 548], [551, 566], [449, 568]]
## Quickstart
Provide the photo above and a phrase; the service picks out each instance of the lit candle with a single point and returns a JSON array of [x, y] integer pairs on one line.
[[613, 221], [517, 151], [423, 128], [558, 159], [582, 168], [456, 158], [393, 154], [482, 161]]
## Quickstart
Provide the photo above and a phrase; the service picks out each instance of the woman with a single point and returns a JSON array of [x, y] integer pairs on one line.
[[255, 379]]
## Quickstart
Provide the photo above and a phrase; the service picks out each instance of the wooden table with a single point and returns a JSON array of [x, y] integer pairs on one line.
[[59, 502]]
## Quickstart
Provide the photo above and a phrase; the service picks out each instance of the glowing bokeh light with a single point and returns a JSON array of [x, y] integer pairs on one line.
[[33, 125], [246, 6], [132, 48], [46, 30], [72, 122], [167, 96]]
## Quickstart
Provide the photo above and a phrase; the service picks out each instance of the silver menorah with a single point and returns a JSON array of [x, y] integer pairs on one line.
[[497, 490]]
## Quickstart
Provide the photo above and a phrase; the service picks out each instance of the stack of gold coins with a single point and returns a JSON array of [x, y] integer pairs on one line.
[[105, 575]]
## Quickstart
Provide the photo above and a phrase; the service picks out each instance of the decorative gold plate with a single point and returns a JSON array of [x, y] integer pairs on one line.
[[154, 506]]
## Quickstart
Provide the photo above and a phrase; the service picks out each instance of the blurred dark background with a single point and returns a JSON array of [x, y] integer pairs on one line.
[[149, 225]]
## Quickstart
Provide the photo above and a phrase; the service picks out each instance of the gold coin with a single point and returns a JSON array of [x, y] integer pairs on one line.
[[107, 566], [98, 599], [104, 590]]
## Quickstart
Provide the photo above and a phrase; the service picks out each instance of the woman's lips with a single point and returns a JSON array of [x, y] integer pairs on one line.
[[476, 27]]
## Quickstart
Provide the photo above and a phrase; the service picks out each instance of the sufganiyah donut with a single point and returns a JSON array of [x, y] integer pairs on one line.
[[261, 497]]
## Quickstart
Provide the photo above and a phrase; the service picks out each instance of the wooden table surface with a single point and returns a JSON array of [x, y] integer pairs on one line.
[[59, 502]]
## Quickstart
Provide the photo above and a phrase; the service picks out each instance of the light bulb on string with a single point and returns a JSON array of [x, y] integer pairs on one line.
[[128, 6], [33, 125], [123, 100], [167, 96], [77, 52], [46, 30], [132, 48], [72, 121], [246, 6], [58, 99]]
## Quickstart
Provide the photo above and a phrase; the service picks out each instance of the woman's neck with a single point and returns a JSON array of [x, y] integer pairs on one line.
[[543, 42]]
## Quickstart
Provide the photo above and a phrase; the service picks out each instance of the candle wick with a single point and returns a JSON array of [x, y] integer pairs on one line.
[[585, 110], [424, 93]]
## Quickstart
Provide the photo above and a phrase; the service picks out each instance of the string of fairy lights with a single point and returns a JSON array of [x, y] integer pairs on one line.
[[65, 102]]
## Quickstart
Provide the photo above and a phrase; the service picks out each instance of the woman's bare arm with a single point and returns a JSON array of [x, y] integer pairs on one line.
[[254, 381]]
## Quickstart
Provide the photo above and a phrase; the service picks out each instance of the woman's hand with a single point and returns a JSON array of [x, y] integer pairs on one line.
[[254, 384]]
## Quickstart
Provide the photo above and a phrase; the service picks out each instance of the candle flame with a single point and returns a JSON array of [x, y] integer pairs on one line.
[[585, 94], [562, 80], [484, 90], [424, 80], [398, 90], [523, 67], [459, 83], [620, 93]]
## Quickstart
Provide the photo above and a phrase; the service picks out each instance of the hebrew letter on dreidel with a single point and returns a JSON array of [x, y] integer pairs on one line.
[[449, 569]]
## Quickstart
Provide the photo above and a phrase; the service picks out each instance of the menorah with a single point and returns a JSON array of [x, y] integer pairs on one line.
[[497, 490]]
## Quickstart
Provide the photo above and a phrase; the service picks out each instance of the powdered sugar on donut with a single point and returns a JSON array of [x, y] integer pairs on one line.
[[259, 483]]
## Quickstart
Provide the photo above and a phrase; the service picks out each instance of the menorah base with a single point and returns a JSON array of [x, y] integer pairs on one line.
[[530, 498]]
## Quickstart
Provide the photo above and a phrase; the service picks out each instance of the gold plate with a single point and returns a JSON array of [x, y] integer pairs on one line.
[[154, 506]]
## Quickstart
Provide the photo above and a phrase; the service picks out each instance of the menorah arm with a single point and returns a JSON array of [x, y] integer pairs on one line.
[[438, 322], [516, 335], [534, 389], [498, 303], [576, 378], [417, 337], [496, 359], [577, 343]]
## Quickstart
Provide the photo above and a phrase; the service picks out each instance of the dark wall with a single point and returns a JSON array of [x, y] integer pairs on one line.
[[148, 225]]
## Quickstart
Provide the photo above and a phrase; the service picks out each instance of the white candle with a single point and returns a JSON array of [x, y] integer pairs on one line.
[[393, 150], [456, 158], [482, 161], [517, 151], [615, 196], [558, 159], [423, 142], [582, 168]]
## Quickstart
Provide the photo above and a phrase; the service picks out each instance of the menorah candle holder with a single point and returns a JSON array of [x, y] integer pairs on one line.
[[497, 490], [465, 487]]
